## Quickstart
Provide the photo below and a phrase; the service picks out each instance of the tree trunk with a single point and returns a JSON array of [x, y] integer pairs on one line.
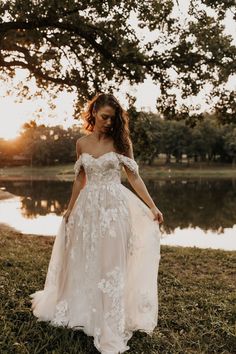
[[167, 158]]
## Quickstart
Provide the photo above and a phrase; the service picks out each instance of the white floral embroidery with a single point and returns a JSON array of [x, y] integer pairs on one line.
[[113, 286], [68, 229], [96, 270], [96, 170], [98, 331], [107, 217], [61, 313], [78, 165], [97, 336], [130, 163]]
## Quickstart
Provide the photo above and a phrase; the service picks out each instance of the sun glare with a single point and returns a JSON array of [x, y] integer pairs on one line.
[[12, 118], [9, 132]]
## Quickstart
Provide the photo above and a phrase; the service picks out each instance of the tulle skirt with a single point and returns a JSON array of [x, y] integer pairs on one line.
[[102, 277]]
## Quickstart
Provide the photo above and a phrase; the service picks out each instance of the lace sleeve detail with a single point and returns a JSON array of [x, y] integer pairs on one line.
[[77, 166], [130, 163]]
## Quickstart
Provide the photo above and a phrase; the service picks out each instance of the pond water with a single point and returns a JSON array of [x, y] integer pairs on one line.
[[197, 212]]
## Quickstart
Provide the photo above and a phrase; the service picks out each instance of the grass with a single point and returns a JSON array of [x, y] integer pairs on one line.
[[158, 170], [197, 296]]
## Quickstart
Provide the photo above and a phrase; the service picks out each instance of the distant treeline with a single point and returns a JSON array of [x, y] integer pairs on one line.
[[207, 140], [40, 145]]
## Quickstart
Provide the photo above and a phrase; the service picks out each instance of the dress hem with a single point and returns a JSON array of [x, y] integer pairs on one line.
[[83, 329]]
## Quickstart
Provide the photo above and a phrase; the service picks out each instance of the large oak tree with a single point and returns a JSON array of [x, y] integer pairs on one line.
[[92, 46]]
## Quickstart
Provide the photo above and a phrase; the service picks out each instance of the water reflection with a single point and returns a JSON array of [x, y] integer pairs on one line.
[[206, 203], [197, 212], [196, 237], [13, 214], [40, 197]]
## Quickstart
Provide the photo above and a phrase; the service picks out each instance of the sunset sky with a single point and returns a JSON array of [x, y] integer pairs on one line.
[[15, 114]]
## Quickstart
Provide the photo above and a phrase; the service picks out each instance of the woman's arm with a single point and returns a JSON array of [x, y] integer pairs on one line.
[[77, 186], [140, 188], [79, 182]]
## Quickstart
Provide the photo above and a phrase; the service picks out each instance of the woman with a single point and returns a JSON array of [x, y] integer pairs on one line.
[[102, 275]]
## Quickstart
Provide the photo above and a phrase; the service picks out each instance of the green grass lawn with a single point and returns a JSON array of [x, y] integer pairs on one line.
[[197, 296]]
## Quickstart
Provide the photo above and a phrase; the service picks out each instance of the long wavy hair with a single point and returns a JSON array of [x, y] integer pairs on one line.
[[120, 127]]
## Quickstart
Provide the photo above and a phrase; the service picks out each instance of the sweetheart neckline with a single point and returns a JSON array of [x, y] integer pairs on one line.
[[106, 153], [97, 158]]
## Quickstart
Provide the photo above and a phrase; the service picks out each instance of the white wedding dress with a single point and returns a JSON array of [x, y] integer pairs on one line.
[[102, 275]]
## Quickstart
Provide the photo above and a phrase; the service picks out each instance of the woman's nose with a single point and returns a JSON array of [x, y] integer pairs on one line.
[[108, 122]]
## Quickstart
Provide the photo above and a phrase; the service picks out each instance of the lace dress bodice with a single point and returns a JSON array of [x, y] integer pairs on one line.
[[105, 168]]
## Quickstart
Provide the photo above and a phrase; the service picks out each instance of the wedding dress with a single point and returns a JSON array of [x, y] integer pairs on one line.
[[102, 275]]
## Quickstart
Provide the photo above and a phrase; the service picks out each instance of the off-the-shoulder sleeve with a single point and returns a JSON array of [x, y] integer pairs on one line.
[[130, 163], [77, 166]]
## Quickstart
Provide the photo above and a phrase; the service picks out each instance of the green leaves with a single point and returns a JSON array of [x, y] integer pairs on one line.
[[95, 46]]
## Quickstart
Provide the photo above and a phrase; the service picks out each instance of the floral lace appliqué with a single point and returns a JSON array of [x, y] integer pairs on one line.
[[61, 313], [130, 163], [96, 168], [113, 286], [78, 165], [107, 217]]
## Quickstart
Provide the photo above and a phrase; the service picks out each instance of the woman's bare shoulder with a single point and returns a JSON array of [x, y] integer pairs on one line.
[[83, 140], [81, 143]]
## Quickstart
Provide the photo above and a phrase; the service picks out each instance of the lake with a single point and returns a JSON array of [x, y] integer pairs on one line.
[[197, 212]]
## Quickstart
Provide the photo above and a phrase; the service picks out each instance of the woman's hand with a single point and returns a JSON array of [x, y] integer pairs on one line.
[[66, 215], [157, 214]]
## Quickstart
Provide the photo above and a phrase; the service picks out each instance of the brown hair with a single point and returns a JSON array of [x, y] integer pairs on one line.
[[120, 127]]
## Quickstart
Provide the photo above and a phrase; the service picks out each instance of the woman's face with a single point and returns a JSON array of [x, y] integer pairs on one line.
[[104, 118]]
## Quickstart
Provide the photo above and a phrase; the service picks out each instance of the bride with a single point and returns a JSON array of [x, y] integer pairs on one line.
[[102, 275]]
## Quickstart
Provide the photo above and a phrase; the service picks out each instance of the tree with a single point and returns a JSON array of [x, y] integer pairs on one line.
[[47, 145], [230, 144], [91, 45], [180, 138], [145, 132], [30, 134], [226, 107]]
